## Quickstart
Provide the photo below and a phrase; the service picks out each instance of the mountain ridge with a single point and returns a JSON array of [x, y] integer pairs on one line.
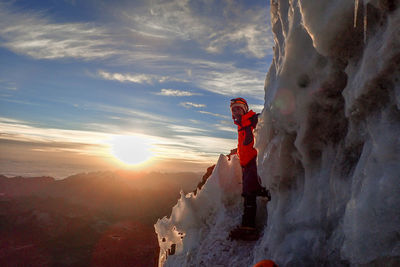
[[89, 218]]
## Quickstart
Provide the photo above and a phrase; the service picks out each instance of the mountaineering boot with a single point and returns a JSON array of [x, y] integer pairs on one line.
[[247, 230]]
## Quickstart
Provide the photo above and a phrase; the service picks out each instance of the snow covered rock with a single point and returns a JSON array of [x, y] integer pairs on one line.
[[199, 225], [329, 148]]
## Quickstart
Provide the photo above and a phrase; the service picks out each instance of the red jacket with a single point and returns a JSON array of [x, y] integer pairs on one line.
[[246, 125]]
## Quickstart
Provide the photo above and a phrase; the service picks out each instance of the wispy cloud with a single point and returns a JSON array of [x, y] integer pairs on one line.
[[186, 129], [139, 78], [194, 147], [170, 20], [187, 144], [209, 145], [6, 85], [127, 112], [142, 29], [10, 120], [195, 121], [214, 26], [213, 114], [192, 105], [174, 92], [17, 130], [222, 127], [136, 78], [253, 35], [40, 36], [227, 79], [256, 108], [165, 41], [36, 36]]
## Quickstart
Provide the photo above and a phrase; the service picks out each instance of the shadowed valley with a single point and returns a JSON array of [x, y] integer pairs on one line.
[[94, 219]]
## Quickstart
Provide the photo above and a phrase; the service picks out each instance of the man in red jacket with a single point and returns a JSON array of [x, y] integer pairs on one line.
[[251, 188]]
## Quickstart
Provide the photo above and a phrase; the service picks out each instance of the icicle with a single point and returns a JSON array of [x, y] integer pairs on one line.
[[355, 12], [365, 22]]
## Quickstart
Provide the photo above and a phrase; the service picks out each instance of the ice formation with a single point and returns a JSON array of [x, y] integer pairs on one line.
[[329, 149]]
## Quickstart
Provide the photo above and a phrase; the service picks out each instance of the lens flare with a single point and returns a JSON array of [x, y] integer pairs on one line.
[[285, 101]]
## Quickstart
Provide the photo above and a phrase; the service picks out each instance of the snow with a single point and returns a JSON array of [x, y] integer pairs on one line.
[[199, 224], [328, 146]]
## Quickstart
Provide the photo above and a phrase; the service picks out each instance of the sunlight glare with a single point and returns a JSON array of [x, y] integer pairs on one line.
[[131, 149]]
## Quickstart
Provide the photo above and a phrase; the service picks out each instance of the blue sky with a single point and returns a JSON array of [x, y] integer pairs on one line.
[[77, 75]]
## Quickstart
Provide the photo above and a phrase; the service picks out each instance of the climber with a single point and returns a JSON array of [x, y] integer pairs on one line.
[[251, 188]]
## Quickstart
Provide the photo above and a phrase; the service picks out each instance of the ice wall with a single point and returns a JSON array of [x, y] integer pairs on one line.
[[328, 142], [329, 145]]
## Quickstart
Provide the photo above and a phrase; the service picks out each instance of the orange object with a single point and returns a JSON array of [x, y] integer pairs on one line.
[[245, 150], [266, 263]]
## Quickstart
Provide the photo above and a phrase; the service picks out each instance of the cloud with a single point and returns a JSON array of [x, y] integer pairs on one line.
[[212, 145], [148, 35], [225, 128], [95, 140], [173, 92], [167, 19], [213, 114], [227, 79], [37, 35], [195, 121], [26, 143], [6, 85], [127, 112], [190, 105], [144, 30], [51, 159], [213, 25], [33, 35], [251, 37], [186, 129], [22, 131], [193, 147], [10, 120], [256, 108], [138, 78], [155, 37]]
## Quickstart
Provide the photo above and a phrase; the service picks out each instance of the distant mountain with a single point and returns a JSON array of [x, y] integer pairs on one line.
[[20, 186], [102, 218]]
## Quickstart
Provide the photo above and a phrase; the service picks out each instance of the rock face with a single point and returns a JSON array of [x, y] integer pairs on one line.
[[328, 143]]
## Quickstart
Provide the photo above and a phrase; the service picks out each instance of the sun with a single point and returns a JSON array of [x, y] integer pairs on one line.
[[131, 149]]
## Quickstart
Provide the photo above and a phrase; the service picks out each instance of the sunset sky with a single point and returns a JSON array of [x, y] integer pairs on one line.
[[98, 85]]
